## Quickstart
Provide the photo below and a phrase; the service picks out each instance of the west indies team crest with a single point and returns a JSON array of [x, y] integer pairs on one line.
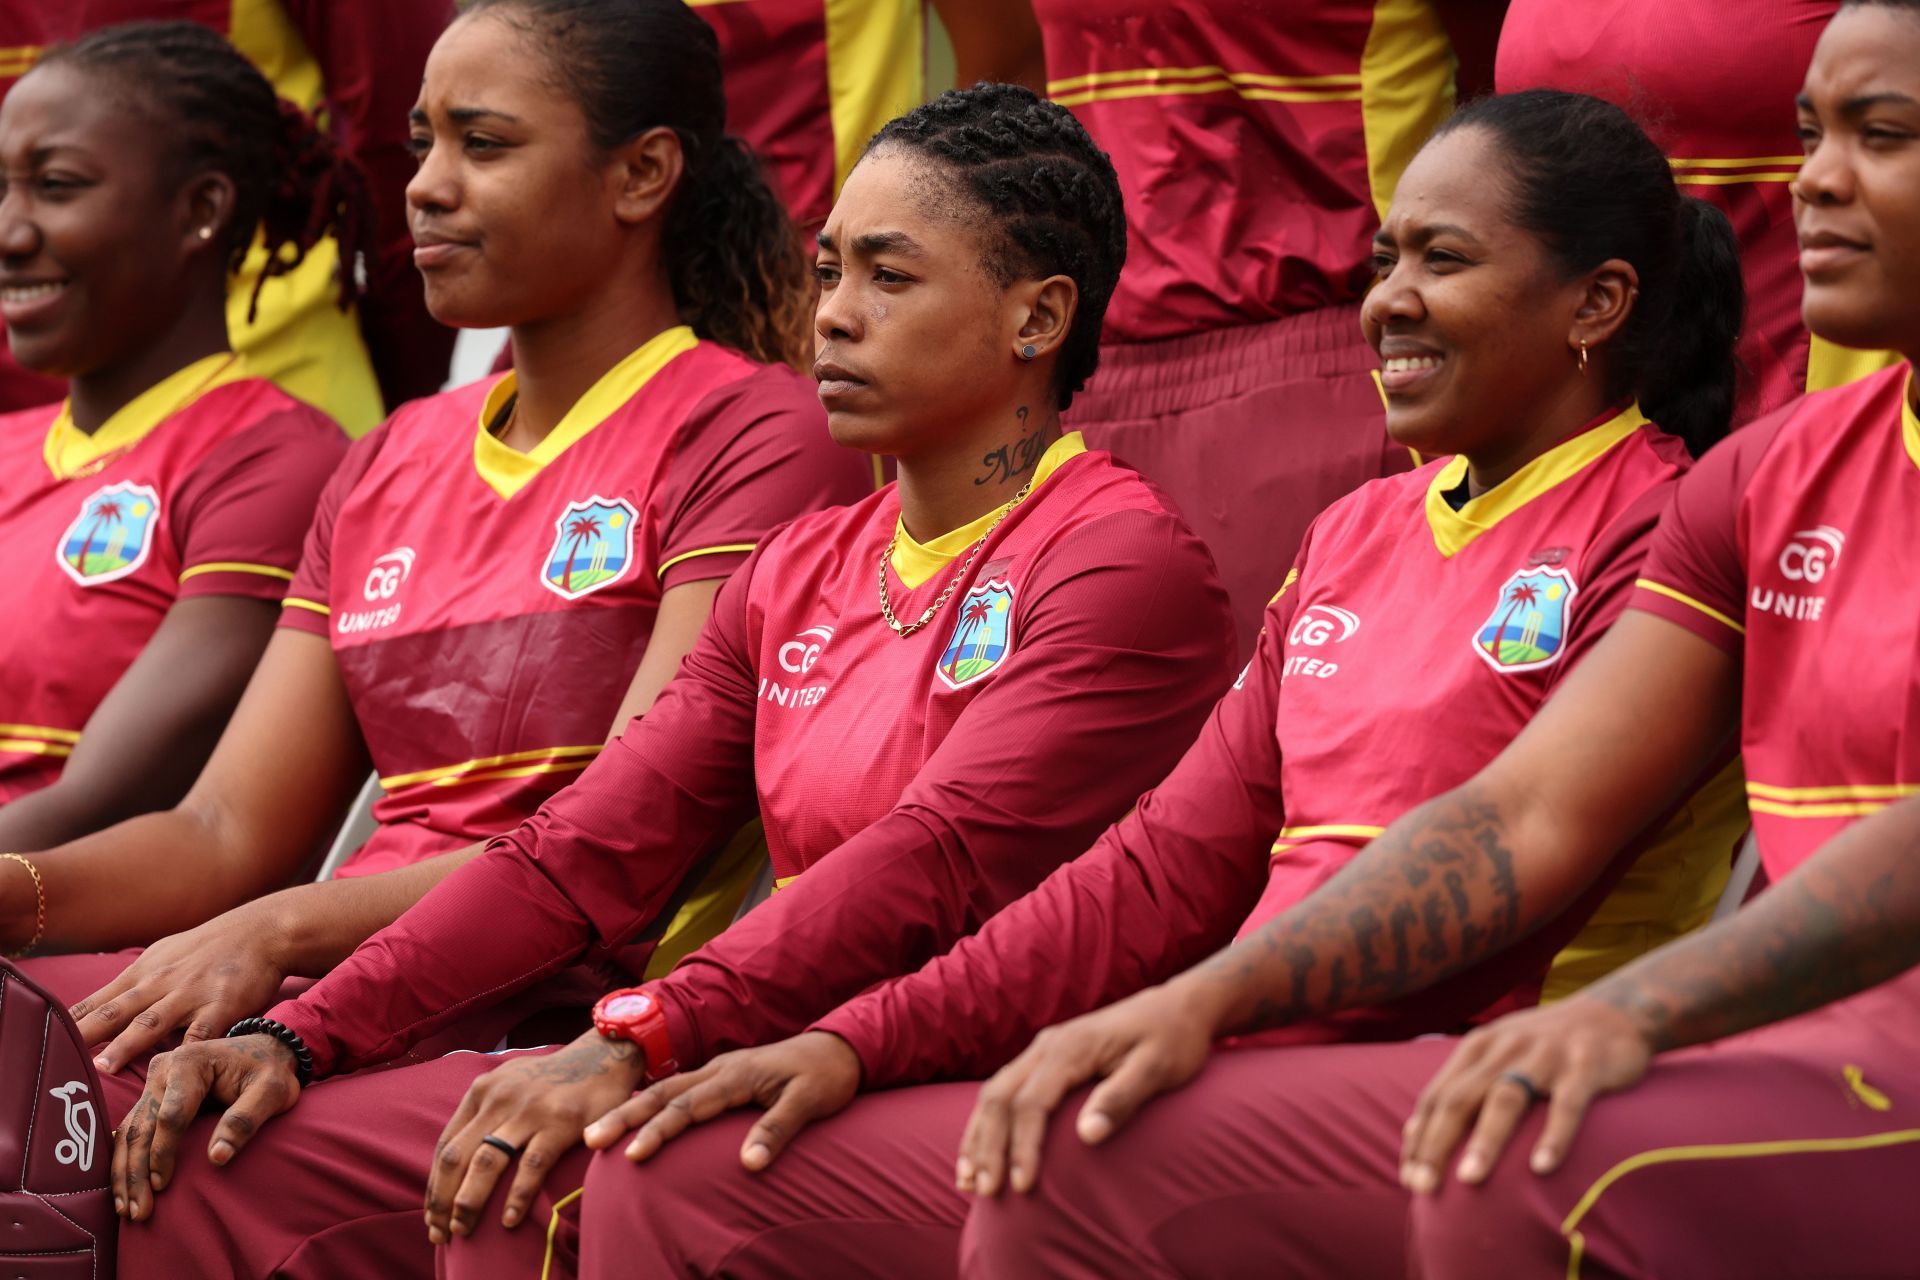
[[1528, 627], [592, 546], [112, 534], [982, 634]]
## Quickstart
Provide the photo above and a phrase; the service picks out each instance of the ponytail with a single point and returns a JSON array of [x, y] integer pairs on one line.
[[319, 190], [733, 256], [291, 181], [1689, 371], [1590, 183]]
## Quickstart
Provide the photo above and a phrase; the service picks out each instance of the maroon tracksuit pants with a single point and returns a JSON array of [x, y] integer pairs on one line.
[[1793, 1151]]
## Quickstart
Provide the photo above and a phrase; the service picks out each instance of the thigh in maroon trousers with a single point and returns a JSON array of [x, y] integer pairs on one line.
[[1793, 1151], [1274, 1162]]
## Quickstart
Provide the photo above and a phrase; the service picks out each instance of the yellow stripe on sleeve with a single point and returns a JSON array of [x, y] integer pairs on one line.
[[26, 746], [1663, 590], [237, 566], [46, 732], [312, 606], [704, 551], [1839, 791], [1837, 809], [548, 759]]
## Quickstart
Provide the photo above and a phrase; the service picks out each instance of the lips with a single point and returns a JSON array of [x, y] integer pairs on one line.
[[1405, 363], [1824, 252], [836, 380], [22, 302], [431, 249]]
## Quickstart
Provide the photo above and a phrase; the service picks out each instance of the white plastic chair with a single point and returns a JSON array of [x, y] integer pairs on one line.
[[1745, 866], [355, 831]]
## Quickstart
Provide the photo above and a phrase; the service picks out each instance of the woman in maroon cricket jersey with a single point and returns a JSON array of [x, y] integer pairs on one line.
[[151, 520]]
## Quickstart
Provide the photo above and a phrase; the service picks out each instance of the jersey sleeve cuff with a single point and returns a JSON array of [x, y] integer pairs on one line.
[[300, 614], [703, 564], [295, 1017], [1705, 620], [234, 578], [850, 1027]]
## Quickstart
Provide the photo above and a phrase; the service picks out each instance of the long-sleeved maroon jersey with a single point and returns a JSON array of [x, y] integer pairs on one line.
[[909, 786]]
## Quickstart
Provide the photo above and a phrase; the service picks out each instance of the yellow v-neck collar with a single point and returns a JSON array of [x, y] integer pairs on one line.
[[1909, 421], [71, 452], [507, 470], [916, 562], [1455, 530]]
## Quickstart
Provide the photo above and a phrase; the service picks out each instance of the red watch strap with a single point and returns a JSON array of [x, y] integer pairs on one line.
[[634, 1015]]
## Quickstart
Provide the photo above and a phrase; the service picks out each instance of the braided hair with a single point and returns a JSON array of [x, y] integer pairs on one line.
[[1052, 198], [291, 182], [732, 254]]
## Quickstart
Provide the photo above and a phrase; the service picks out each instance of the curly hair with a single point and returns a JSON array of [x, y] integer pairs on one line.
[[1052, 198], [292, 183], [733, 255]]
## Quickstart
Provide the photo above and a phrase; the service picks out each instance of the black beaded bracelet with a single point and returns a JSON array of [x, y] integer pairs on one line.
[[286, 1035]]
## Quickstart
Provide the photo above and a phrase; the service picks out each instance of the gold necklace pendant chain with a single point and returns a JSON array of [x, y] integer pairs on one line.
[[905, 629]]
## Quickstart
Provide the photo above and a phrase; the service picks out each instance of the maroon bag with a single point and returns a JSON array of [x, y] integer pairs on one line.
[[56, 1209]]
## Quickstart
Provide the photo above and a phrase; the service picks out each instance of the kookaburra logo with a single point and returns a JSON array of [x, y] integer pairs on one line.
[[77, 1147]]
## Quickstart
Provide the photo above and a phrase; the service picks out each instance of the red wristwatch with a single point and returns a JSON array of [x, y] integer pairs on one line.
[[633, 1014]]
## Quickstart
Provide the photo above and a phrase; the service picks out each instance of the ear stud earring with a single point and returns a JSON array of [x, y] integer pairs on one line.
[[1029, 351], [206, 233]]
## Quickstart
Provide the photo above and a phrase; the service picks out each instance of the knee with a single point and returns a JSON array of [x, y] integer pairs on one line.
[[1503, 1227], [1046, 1232]]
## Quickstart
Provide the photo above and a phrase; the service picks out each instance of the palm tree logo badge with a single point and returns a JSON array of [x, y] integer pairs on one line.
[[982, 635], [592, 546], [1527, 628], [113, 534]]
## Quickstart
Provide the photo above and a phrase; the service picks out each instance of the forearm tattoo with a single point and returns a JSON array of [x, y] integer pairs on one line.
[[1433, 895]]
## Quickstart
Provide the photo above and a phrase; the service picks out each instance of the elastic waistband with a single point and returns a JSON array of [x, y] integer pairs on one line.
[[1144, 379]]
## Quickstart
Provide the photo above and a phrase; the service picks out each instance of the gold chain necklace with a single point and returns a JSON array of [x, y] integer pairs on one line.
[[905, 629]]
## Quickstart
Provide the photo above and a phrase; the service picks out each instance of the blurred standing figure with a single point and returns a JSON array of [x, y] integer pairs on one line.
[[356, 63], [810, 81], [1258, 147], [1714, 85]]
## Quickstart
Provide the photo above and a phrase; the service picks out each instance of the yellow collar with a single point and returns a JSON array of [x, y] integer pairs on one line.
[[1454, 530], [1909, 421], [70, 452], [507, 470], [916, 562]]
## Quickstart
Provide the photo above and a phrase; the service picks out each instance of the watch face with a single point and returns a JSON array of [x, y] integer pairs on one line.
[[627, 1006]]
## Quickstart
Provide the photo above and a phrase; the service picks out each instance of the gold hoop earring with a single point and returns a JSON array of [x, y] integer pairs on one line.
[[1583, 359]]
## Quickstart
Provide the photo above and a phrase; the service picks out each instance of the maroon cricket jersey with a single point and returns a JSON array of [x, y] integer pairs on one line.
[[1412, 643], [1714, 85], [909, 785], [202, 485], [1257, 144], [1792, 547], [488, 607]]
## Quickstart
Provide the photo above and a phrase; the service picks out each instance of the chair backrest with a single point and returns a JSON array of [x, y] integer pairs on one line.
[[55, 1150], [354, 832]]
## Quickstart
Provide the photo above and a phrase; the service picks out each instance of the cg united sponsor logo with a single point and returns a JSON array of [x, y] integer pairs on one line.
[[384, 579], [797, 657], [1527, 629], [112, 535], [1317, 626], [1806, 560]]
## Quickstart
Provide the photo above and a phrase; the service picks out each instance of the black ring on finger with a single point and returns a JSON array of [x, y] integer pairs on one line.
[[1525, 1081], [502, 1145]]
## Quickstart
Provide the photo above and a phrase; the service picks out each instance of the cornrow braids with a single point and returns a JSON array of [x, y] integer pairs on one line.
[[732, 254], [292, 184], [1052, 197]]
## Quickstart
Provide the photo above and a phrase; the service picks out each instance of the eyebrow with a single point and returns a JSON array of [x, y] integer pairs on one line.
[[879, 242], [1863, 103], [1425, 234], [465, 115]]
